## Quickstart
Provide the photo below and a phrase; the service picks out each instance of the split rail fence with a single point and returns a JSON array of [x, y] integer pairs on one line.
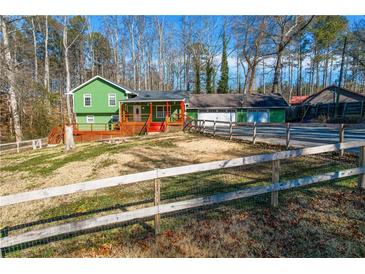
[[228, 129], [160, 208], [23, 145]]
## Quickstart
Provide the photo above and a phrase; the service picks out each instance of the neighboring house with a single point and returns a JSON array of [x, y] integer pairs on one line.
[[297, 100], [261, 108], [333, 103], [95, 103]]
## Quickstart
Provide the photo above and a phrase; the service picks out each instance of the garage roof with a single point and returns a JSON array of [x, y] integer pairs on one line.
[[272, 100], [328, 95]]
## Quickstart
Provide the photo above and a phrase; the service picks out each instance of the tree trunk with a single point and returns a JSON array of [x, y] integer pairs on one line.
[[299, 77], [10, 73], [263, 76], [46, 58], [68, 76], [252, 77], [35, 51], [275, 85]]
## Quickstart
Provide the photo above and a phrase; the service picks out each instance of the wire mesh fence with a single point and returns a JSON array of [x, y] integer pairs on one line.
[[201, 224]]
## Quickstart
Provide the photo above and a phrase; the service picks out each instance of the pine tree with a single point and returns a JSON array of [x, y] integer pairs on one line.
[[223, 82]]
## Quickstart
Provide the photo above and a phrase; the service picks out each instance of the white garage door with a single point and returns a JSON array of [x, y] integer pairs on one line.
[[258, 116], [217, 116]]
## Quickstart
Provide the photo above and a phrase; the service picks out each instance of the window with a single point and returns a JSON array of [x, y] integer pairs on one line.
[[161, 111], [87, 100], [112, 99], [90, 119], [115, 118]]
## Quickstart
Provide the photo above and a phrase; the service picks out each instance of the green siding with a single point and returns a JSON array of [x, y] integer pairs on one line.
[[277, 115], [99, 90], [241, 116], [145, 109], [100, 120]]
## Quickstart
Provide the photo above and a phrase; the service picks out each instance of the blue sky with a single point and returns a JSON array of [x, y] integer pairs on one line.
[[97, 20]]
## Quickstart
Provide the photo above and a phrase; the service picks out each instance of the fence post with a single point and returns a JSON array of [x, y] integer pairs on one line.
[[275, 179], [342, 137], [40, 143], [17, 147], [230, 130], [361, 183], [33, 144], [287, 135], [214, 127], [254, 133], [157, 203]]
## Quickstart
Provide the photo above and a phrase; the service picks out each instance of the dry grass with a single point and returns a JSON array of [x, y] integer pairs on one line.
[[325, 221]]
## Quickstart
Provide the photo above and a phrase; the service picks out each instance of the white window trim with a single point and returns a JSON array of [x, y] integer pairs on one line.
[[90, 116], [91, 101], [115, 99], [163, 111]]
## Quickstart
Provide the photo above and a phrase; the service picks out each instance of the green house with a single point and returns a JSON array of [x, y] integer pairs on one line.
[[96, 103]]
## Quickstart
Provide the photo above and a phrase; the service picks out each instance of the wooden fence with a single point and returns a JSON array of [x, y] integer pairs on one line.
[[200, 126], [159, 209], [27, 144]]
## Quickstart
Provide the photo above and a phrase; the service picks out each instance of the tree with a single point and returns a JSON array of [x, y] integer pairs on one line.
[[287, 28], [66, 48], [250, 33], [10, 75], [223, 82]]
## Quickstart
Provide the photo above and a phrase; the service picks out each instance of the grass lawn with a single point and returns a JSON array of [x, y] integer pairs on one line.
[[326, 220]]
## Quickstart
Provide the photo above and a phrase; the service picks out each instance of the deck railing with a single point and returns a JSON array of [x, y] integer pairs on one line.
[[97, 126], [158, 174]]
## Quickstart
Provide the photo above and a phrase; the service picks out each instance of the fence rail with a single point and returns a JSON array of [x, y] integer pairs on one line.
[[201, 127], [158, 174], [18, 146]]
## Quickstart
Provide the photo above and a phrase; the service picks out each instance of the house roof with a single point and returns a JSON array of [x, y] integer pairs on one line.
[[327, 95], [201, 101], [297, 100], [127, 90], [158, 96]]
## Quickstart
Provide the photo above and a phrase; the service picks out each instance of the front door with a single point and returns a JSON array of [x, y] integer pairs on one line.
[[136, 113]]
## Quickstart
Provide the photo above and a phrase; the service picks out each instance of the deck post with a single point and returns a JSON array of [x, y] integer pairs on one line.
[[361, 183], [287, 135], [214, 127], [254, 133], [157, 203], [203, 129], [275, 179], [230, 130], [341, 137]]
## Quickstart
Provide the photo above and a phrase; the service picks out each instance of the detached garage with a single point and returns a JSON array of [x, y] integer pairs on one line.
[[259, 108]]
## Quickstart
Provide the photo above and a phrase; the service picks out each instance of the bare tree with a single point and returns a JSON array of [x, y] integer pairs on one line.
[[66, 47], [10, 75], [287, 27], [160, 26], [46, 58], [35, 49]]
